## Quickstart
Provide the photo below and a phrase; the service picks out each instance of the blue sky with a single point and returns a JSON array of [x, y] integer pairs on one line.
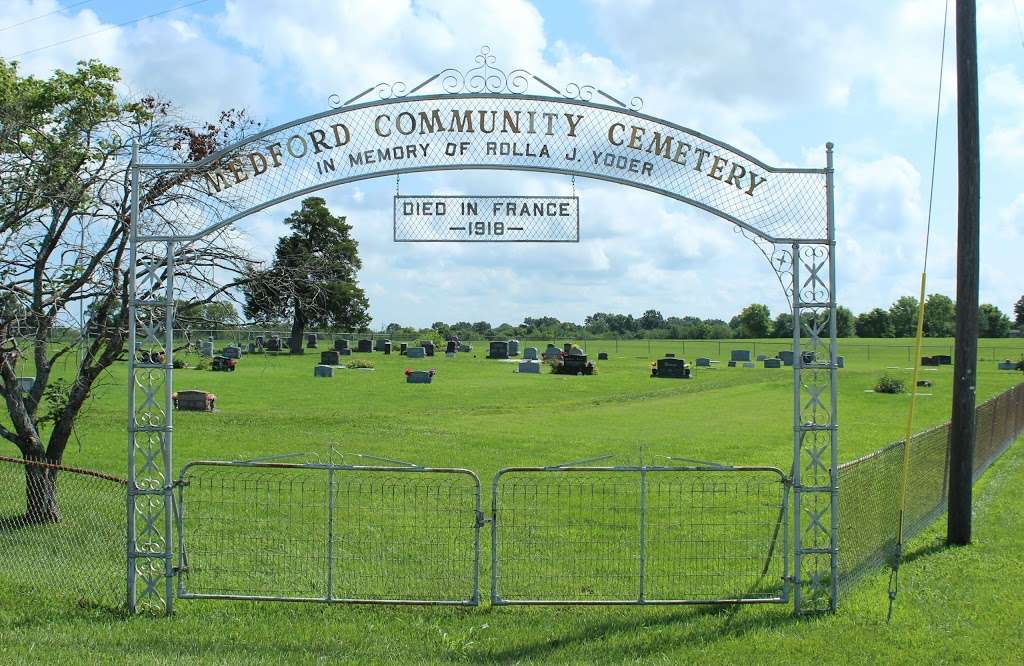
[[777, 80]]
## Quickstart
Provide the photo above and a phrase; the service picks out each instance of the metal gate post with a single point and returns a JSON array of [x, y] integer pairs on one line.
[[150, 516], [815, 415]]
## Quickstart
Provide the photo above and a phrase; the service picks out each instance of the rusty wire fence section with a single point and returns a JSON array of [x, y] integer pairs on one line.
[[329, 533], [76, 555], [869, 496], [638, 535]]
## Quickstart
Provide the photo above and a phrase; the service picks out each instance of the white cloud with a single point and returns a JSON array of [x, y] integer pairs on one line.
[[170, 55]]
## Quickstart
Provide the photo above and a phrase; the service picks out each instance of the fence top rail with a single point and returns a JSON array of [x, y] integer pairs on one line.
[[64, 468], [647, 468], [325, 466]]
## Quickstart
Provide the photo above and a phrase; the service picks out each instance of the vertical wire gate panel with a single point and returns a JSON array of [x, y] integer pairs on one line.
[[329, 533], [639, 535]]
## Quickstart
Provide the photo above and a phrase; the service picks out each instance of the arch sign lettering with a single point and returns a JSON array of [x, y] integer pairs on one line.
[[487, 118]]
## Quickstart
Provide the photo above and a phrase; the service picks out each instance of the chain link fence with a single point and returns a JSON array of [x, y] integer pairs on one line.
[[77, 555], [869, 487], [62, 535]]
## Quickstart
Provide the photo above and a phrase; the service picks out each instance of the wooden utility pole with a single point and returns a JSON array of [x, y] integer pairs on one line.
[[961, 455]]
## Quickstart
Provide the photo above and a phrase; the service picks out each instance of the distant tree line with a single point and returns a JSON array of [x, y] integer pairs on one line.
[[753, 321]]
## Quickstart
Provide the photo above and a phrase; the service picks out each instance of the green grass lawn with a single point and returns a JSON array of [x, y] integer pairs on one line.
[[956, 605]]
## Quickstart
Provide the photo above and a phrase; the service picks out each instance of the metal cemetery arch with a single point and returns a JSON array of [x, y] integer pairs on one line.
[[485, 118]]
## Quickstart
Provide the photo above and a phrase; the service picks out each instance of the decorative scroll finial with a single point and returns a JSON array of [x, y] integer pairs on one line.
[[485, 77]]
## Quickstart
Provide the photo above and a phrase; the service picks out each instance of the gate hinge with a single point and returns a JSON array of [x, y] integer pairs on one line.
[[480, 519], [180, 570], [180, 483]]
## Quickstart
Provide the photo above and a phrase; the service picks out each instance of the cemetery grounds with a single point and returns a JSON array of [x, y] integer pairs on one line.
[[955, 605]]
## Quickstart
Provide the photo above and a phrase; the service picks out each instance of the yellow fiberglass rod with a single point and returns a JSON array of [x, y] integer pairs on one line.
[[894, 575]]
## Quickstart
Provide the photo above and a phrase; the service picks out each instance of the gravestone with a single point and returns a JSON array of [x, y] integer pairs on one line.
[[761, 357], [498, 349], [378, 345], [206, 348], [365, 346], [552, 352], [576, 351], [669, 355], [311, 341], [260, 340], [387, 348], [252, 347], [451, 347], [324, 370], [1007, 365], [944, 359], [330, 357], [233, 352], [274, 344], [576, 364], [924, 382], [428, 347], [529, 366], [671, 368], [808, 357], [602, 356], [402, 348], [703, 362], [531, 354], [929, 361], [24, 384], [223, 364], [772, 362], [416, 352], [418, 376], [739, 355], [340, 344], [194, 401], [732, 364], [513, 347], [749, 364], [344, 352], [840, 362], [567, 348], [786, 356]]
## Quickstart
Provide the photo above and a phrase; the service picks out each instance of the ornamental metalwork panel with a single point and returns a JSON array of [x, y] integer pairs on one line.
[[329, 533], [815, 454], [150, 341], [639, 535]]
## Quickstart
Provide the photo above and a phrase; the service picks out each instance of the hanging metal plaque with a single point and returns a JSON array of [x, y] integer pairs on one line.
[[490, 219]]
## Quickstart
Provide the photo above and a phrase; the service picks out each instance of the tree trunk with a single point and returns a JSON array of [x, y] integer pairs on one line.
[[41, 495]]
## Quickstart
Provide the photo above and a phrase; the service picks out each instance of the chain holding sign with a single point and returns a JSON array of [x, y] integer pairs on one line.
[[487, 219]]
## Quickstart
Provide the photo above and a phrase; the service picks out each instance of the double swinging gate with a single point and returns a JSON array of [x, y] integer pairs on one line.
[[486, 118], [412, 535]]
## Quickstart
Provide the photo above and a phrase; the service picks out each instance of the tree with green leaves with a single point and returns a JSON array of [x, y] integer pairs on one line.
[[903, 315], [939, 316], [754, 321], [1018, 312], [312, 280], [64, 222], [992, 323], [873, 324], [844, 322]]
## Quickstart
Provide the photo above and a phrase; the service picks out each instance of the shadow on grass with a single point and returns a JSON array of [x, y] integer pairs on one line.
[[936, 546], [623, 638]]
